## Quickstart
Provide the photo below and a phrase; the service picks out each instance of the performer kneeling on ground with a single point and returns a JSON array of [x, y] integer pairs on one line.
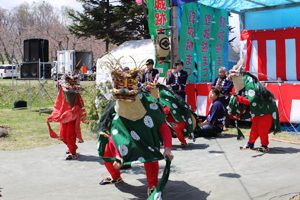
[[135, 132], [213, 125]]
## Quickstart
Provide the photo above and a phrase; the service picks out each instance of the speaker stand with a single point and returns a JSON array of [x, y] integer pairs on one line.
[[42, 89]]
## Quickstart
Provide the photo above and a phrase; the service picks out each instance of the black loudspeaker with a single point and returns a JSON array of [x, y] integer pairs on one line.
[[35, 49], [20, 104], [31, 70]]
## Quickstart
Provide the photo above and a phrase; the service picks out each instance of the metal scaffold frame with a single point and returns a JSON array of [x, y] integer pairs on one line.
[[42, 90]]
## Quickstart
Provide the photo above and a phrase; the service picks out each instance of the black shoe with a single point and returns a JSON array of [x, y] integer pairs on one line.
[[110, 180], [71, 157]]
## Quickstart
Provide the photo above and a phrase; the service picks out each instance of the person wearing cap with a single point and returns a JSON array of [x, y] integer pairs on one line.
[[225, 87], [177, 79], [150, 73]]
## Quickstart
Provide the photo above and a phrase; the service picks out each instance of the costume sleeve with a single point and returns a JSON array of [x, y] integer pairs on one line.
[[166, 110], [106, 118], [112, 147], [143, 81], [242, 100], [182, 78], [213, 114], [214, 83], [170, 79], [155, 71], [227, 87], [166, 135]]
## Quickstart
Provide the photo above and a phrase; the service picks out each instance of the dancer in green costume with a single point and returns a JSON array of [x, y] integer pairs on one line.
[[253, 100], [132, 130]]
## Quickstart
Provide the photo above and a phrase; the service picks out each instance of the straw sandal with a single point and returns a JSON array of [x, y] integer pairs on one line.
[[150, 191], [71, 157], [263, 149], [245, 147], [183, 145], [68, 152], [110, 180]]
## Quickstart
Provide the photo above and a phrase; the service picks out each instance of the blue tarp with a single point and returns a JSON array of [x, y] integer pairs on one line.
[[236, 5], [273, 19]]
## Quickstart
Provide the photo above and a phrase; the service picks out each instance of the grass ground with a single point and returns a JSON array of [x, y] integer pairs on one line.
[[29, 129]]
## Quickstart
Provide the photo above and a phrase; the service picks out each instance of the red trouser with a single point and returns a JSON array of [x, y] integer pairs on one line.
[[177, 126], [68, 134], [260, 128], [151, 168]]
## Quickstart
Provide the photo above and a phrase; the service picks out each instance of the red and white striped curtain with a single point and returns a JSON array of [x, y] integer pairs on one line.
[[272, 54]]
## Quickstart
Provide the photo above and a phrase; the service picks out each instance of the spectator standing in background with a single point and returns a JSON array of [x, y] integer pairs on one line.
[[150, 73], [177, 79], [94, 68]]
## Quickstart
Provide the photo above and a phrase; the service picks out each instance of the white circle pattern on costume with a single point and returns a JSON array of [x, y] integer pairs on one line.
[[157, 196], [190, 121], [168, 124], [153, 106], [116, 117], [252, 115], [274, 115], [148, 121], [166, 92], [184, 130], [167, 99], [123, 149], [251, 93], [174, 111], [174, 105], [134, 135], [141, 158], [151, 149], [115, 132], [250, 79], [254, 104], [140, 96]]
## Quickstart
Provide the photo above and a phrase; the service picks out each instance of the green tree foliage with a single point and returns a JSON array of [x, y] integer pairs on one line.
[[115, 23]]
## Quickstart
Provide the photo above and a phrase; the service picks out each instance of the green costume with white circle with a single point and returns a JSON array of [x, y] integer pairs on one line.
[[261, 102]]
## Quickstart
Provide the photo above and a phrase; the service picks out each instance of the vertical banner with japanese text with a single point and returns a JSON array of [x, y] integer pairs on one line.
[[159, 19], [217, 44], [187, 41], [203, 42]]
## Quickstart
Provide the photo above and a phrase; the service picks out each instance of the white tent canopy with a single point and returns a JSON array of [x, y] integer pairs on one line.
[[140, 50]]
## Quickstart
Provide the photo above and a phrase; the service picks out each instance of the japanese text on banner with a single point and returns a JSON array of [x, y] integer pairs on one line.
[[202, 44], [187, 41], [159, 20], [217, 45]]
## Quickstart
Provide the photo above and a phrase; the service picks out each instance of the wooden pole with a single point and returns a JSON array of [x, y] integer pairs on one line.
[[175, 34], [242, 21]]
